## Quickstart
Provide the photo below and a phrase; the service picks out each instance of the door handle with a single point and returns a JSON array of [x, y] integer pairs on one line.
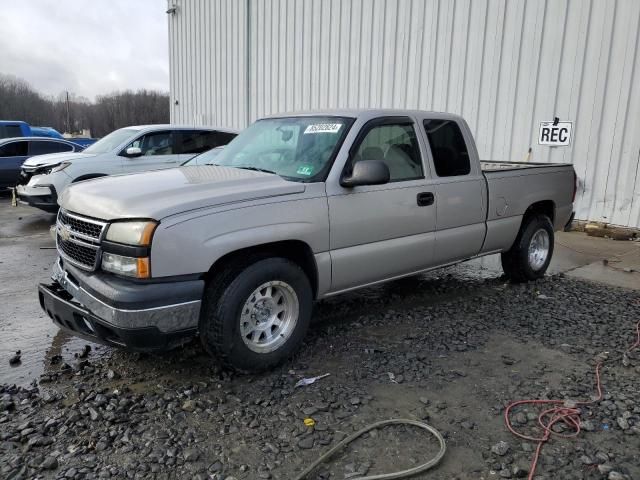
[[425, 199]]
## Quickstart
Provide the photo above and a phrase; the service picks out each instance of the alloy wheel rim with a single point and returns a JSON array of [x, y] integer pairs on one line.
[[269, 316], [539, 249]]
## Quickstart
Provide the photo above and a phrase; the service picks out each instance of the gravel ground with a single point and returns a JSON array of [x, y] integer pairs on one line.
[[443, 349]]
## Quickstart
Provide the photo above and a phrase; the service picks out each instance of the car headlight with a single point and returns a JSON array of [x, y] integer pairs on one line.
[[128, 266], [61, 166], [137, 233]]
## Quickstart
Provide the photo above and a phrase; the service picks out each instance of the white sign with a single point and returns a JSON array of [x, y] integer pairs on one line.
[[323, 128], [558, 135]]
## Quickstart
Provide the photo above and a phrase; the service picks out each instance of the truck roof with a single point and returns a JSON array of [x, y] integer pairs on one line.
[[181, 127], [365, 113]]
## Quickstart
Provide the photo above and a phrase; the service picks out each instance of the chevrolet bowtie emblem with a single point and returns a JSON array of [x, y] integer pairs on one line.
[[64, 232]]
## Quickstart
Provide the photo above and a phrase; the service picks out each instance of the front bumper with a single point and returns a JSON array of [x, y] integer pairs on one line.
[[142, 317], [43, 197]]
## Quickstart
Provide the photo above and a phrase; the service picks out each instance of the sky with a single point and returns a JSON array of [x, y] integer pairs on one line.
[[86, 47]]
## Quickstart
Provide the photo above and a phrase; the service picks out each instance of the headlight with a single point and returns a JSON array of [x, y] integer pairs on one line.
[[61, 166], [129, 266], [132, 233]]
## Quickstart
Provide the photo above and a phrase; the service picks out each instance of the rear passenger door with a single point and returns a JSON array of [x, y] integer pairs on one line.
[[460, 190], [194, 142], [157, 152], [382, 231], [12, 156]]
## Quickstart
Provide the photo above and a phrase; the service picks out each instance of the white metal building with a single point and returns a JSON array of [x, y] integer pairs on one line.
[[505, 65]]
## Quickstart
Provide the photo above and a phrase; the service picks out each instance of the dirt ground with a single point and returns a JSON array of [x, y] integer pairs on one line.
[[451, 348]]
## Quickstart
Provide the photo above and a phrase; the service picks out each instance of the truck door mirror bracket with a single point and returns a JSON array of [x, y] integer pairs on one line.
[[367, 172]]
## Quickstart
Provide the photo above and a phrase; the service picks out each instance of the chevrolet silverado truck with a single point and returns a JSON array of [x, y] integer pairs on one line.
[[298, 207]]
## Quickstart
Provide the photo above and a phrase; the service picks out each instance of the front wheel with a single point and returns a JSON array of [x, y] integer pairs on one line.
[[530, 255], [256, 315]]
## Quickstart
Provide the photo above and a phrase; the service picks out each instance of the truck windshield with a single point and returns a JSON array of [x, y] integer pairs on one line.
[[111, 141], [296, 148]]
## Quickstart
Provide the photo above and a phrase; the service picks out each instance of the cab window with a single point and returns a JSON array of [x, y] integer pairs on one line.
[[396, 145], [448, 148]]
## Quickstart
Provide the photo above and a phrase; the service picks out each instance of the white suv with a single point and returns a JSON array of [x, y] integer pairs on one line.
[[127, 150]]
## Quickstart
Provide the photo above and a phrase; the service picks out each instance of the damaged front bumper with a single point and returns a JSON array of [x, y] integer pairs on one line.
[[109, 310], [43, 197]]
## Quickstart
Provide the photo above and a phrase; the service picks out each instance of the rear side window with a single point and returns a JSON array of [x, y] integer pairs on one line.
[[9, 131], [198, 141], [14, 149], [448, 148], [43, 147], [397, 146]]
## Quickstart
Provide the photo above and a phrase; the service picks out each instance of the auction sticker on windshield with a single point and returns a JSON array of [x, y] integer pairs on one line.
[[305, 170], [323, 128]]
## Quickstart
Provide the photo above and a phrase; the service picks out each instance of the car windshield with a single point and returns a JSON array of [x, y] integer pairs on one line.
[[296, 148], [111, 141], [205, 158]]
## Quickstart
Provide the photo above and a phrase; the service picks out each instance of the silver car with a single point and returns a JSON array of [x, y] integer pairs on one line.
[[127, 150]]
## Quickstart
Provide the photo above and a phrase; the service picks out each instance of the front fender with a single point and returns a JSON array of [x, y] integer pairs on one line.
[[183, 247]]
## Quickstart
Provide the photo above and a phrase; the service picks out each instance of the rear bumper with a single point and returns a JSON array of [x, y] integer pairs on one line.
[[138, 316], [43, 197]]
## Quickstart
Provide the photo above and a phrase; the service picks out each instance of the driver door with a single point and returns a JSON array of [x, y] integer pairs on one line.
[[157, 152], [383, 231]]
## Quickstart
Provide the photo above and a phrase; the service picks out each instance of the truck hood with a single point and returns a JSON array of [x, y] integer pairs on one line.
[[160, 193], [53, 159]]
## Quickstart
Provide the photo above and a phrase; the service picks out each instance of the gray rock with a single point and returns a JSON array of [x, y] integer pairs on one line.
[[191, 455], [587, 426], [306, 442], [623, 423], [50, 463], [520, 470], [501, 448]]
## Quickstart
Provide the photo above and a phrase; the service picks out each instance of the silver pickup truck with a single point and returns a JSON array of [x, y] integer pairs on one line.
[[297, 208]]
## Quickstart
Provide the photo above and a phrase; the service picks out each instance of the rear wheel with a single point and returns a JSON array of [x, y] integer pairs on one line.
[[530, 255], [256, 313]]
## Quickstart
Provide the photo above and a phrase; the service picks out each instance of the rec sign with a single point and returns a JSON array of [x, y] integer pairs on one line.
[[555, 133]]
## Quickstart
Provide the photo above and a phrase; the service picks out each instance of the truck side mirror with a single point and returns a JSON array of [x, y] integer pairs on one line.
[[133, 152], [367, 172]]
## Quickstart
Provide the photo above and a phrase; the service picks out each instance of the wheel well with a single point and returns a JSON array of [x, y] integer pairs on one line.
[[294, 250], [88, 176], [545, 207]]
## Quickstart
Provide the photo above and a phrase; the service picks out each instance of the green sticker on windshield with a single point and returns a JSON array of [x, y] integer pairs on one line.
[[305, 170]]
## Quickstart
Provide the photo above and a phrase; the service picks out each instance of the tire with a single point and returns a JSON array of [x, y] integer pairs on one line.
[[536, 233], [239, 324]]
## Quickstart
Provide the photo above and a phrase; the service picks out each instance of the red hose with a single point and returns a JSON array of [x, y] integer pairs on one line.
[[563, 411]]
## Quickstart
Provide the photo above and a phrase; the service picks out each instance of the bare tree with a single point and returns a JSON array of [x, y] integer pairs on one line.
[[20, 101]]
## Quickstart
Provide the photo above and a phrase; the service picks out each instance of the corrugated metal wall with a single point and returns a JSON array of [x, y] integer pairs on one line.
[[505, 65]]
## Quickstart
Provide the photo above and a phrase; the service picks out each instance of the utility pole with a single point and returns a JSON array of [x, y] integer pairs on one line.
[[68, 126]]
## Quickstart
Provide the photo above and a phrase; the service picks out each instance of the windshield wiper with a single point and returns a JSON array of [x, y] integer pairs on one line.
[[255, 169]]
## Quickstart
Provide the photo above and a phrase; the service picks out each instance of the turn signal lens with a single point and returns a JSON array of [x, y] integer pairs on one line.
[[128, 266]]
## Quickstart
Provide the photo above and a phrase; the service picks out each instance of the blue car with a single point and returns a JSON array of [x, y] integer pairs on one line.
[[14, 151]]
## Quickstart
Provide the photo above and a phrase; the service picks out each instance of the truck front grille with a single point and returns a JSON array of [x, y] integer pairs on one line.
[[78, 239], [78, 225]]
